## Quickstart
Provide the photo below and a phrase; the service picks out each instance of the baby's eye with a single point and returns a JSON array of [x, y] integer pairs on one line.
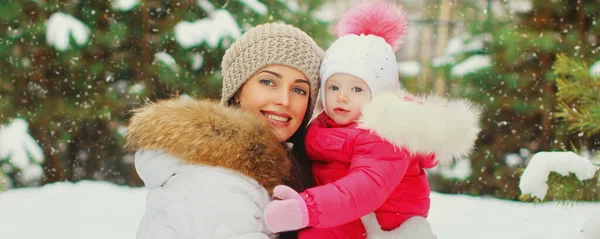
[[334, 88], [357, 89], [299, 91], [267, 82]]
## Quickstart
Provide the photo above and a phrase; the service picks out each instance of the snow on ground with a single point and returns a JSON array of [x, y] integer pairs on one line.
[[91, 209], [460, 170], [460, 216]]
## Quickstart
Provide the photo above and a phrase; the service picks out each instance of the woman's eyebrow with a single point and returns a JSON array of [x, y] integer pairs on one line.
[[272, 73], [301, 81]]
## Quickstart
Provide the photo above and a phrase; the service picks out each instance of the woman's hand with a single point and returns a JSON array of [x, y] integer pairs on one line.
[[289, 213]]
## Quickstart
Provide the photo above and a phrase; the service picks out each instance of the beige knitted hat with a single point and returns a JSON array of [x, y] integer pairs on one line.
[[266, 44]]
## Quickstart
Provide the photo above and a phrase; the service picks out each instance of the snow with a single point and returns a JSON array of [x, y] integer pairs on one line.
[[197, 61], [166, 59], [292, 5], [409, 68], [460, 170], [64, 210], [122, 130], [206, 5], [60, 27], [442, 61], [327, 12], [591, 229], [461, 216], [256, 6], [520, 6], [462, 44], [219, 25], [524, 153], [541, 164], [100, 210], [465, 43], [138, 88], [31, 174], [472, 64], [18, 146], [513, 160], [595, 69], [125, 5]]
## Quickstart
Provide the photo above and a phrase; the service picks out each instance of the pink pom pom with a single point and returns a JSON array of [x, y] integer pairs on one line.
[[375, 18]]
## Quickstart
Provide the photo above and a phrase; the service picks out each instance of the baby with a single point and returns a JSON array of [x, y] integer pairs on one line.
[[370, 145]]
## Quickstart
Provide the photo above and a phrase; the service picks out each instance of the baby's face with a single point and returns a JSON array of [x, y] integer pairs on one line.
[[344, 97]]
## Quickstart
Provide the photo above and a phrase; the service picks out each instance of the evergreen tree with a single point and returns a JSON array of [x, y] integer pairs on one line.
[[2, 182], [76, 96], [568, 188], [578, 96], [517, 89]]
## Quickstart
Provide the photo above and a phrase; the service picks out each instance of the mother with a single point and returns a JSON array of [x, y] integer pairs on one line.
[[209, 166]]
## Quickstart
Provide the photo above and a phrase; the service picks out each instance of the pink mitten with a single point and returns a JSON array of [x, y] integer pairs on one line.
[[289, 213]]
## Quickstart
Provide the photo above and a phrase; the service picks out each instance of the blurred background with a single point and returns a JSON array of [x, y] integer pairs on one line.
[[72, 70]]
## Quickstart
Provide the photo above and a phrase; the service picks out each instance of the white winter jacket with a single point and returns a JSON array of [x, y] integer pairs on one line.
[[196, 201], [208, 170]]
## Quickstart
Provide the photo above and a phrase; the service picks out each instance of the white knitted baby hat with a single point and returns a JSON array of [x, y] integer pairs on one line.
[[369, 34]]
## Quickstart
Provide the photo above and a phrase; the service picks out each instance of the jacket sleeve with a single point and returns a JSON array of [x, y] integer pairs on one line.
[[233, 210], [376, 169], [202, 202]]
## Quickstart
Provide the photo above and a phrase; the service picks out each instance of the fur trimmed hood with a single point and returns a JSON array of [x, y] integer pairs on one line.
[[206, 133], [429, 124]]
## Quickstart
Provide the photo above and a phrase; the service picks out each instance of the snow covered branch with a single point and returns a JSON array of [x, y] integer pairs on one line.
[[562, 176]]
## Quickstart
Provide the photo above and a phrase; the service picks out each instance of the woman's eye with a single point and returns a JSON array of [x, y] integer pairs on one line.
[[267, 82], [357, 89], [299, 91], [334, 88]]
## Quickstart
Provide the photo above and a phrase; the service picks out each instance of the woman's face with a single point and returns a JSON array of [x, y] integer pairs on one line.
[[279, 94]]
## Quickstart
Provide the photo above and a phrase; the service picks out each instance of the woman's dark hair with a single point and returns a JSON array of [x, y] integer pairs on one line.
[[301, 175]]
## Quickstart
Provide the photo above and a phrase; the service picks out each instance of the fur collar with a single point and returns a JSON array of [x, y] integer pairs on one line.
[[445, 127], [206, 133]]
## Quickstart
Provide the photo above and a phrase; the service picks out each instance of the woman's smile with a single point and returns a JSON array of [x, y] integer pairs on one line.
[[277, 119]]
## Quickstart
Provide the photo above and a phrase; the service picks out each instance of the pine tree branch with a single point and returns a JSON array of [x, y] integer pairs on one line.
[[2, 182], [578, 95], [568, 189]]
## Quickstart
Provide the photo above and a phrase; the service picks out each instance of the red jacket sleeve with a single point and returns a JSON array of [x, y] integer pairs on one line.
[[376, 169]]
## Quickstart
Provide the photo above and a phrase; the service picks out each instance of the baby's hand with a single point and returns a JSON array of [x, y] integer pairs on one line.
[[289, 213]]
